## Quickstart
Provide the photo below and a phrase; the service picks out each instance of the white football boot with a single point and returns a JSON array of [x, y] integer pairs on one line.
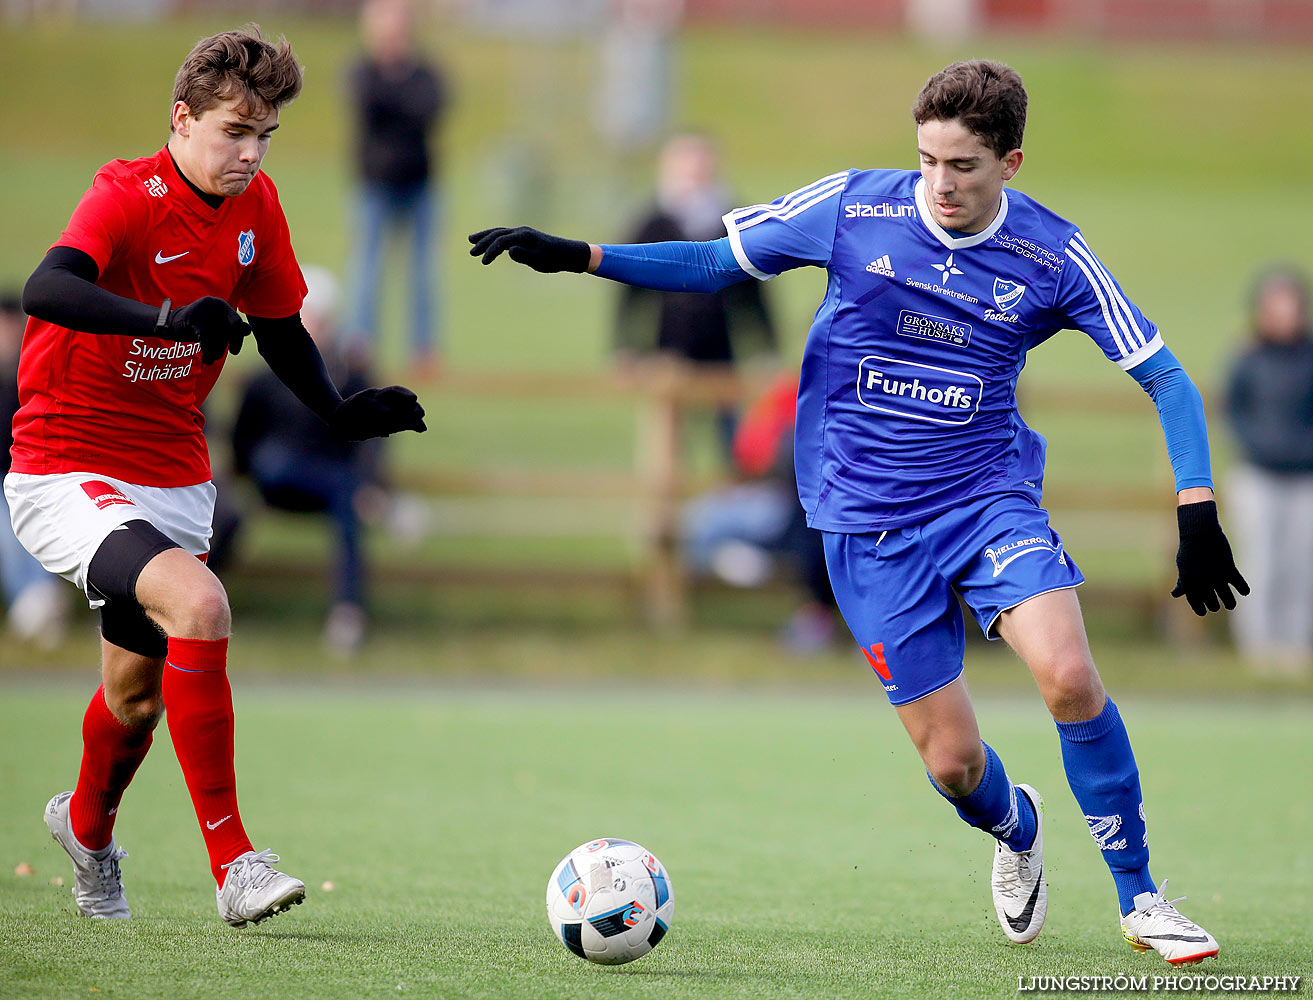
[[1021, 896], [253, 890], [1156, 924], [97, 881]]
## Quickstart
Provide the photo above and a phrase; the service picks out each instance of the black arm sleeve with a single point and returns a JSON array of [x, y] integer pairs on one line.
[[63, 290], [291, 354]]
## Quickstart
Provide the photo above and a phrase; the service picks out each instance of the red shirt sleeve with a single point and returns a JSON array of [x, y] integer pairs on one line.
[[275, 287], [99, 226]]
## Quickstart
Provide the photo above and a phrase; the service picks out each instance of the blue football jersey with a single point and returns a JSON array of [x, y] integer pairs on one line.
[[907, 403]]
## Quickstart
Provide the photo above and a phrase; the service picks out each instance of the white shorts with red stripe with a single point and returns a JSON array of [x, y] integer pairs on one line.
[[63, 518]]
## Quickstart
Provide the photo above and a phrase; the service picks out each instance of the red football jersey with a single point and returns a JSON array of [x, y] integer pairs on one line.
[[130, 407]]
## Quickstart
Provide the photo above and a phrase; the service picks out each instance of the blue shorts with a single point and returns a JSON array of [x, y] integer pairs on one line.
[[897, 589]]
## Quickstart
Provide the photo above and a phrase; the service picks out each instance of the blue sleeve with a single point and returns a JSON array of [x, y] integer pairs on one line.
[[1090, 300], [796, 230], [1181, 412], [672, 267]]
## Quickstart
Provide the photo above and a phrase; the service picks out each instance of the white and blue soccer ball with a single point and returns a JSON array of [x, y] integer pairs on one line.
[[610, 901]]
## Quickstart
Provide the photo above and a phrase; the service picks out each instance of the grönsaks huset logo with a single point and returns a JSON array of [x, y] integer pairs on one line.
[[921, 392], [246, 247], [938, 328]]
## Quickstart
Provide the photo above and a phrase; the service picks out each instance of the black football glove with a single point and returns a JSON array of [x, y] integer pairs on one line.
[[213, 322], [373, 413], [1205, 569], [548, 254]]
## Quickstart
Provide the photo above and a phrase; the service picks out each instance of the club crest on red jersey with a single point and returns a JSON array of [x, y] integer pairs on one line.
[[245, 246]]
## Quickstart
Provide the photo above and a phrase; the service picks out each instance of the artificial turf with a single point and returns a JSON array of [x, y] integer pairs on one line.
[[809, 856]]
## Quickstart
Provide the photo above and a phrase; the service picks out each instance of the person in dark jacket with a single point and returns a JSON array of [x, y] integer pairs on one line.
[[298, 464], [399, 97], [720, 328], [1269, 403]]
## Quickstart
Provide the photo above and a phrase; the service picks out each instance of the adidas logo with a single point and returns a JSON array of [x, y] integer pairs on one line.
[[881, 266]]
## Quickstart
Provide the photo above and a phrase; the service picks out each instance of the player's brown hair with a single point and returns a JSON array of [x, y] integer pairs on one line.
[[986, 97], [234, 63]]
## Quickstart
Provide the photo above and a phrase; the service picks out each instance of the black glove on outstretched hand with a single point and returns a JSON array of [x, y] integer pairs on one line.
[[1205, 569], [374, 413], [548, 254], [213, 322]]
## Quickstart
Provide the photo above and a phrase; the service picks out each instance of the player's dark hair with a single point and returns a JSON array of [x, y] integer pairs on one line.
[[238, 64], [986, 97]]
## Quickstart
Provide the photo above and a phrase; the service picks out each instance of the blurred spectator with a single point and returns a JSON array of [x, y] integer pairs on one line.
[[35, 599], [716, 328], [298, 464], [399, 97], [636, 77], [226, 524], [702, 329], [1269, 402], [740, 532]]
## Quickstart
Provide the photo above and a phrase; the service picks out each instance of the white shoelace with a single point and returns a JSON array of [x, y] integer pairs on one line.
[[1161, 907], [252, 870], [1014, 879], [106, 873]]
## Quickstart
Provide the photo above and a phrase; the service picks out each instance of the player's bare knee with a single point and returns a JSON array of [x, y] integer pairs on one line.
[[1072, 689], [133, 693], [202, 614], [141, 711], [957, 773]]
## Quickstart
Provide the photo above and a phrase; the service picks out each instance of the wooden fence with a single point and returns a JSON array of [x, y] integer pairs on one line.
[[663, 397]]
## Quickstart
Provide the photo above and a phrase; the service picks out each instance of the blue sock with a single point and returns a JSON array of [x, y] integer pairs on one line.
[[996, 806], [1102, 773]]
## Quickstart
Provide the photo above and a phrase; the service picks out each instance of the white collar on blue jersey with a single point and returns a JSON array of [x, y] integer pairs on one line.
[[947, 238]]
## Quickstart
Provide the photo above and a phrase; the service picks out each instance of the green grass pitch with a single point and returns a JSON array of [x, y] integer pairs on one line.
[[809, 856]]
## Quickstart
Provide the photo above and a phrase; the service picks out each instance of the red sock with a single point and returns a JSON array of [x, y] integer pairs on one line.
[[111, 753], [199, 706]]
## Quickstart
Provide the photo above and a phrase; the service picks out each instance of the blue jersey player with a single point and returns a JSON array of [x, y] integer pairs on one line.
[[914, 462]]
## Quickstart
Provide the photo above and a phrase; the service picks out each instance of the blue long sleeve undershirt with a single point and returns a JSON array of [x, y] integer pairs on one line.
[[1181, 412], [681, 266], [676, 266]]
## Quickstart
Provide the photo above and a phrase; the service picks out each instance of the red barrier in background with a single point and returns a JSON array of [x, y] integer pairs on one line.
[[1240, 20]]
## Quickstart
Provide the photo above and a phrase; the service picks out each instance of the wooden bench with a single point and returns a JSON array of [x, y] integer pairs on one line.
[[663, 396]]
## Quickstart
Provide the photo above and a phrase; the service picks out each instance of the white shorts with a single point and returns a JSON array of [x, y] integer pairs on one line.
[[63, 518]]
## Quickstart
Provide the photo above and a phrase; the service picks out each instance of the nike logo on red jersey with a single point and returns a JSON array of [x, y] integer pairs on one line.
[[161, 259]]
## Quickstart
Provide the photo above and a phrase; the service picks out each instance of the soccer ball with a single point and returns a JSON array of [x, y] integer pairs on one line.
[[610, 901]]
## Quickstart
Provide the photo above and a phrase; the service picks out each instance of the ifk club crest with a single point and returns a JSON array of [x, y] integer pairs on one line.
[[1007, 294], [246, 248]]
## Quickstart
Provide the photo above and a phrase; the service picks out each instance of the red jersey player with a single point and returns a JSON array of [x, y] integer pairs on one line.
[[133, 312]]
